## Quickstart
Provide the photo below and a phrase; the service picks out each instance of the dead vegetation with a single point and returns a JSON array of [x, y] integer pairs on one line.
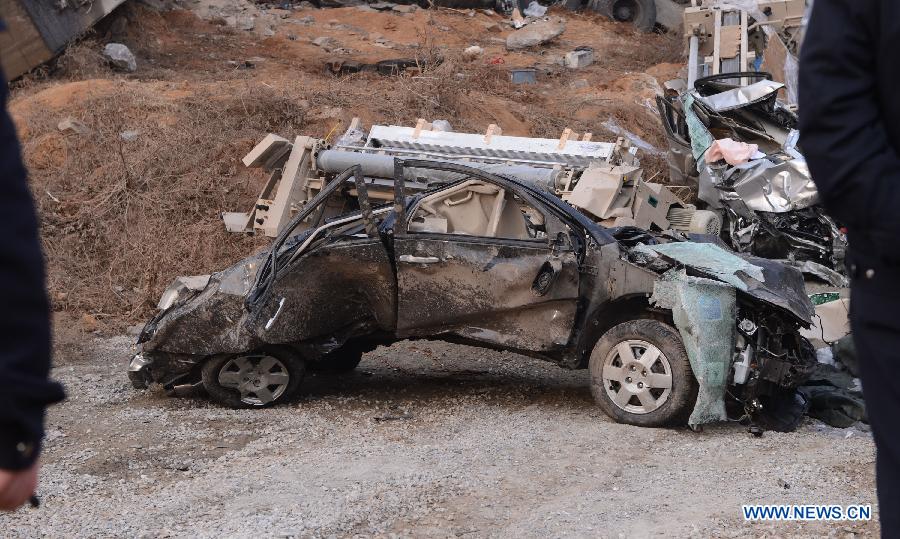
[[137, 201]]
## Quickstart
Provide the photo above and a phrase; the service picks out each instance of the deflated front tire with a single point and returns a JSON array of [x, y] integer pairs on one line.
[[255, 379]]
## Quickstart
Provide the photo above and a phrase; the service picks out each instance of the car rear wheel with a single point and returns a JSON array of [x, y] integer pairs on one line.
[[253, 380], [640, 374]]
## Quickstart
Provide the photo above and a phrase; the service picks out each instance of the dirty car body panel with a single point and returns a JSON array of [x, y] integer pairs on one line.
[[483, 259]]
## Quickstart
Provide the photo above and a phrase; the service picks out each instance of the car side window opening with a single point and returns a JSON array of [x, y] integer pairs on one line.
[[477, 208]]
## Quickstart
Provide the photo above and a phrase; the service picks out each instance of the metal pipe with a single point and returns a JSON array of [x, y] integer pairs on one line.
[[692, 61], [382, 166]]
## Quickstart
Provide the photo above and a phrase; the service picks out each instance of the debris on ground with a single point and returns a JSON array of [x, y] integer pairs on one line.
[[71, 125], [120, 57], [536, 33]]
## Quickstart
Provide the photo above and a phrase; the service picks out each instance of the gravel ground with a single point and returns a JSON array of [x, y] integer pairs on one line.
[[424, 439]]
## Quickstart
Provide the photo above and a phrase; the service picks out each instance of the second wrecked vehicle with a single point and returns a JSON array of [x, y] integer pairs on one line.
[[666, 326], [732, 137]]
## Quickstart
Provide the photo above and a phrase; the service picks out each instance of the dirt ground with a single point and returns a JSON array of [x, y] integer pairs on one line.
[[423, 440]]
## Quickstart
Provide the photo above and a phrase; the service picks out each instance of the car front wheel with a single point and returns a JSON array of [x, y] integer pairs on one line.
[[640, 374], [254, 379]]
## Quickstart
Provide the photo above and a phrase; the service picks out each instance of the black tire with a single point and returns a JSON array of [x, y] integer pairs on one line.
[[640, 13], [682, 391], [342, 360], [289, 361]]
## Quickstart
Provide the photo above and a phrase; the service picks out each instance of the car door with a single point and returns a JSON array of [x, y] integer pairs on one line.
[[486, 263]]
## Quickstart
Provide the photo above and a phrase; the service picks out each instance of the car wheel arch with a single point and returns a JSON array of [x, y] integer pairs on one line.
[[612, 313]]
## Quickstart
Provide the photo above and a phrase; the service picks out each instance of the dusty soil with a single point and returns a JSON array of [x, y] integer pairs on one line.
[[122, 217], [423, 440]]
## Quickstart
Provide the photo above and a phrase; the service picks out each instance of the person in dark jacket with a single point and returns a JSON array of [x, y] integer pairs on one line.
[[850, 134], [25, 390]]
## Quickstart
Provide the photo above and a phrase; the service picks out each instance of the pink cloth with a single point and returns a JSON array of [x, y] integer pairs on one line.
[[732, 151]]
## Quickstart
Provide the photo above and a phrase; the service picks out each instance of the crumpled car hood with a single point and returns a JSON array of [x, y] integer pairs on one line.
[[767, 280], [216, 312]]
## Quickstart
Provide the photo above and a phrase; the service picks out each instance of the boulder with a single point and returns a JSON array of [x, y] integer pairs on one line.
[[120, 57]]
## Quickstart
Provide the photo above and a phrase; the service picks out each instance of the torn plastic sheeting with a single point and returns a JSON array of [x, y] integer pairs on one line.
[[775, 187], [741, 96], [614, 127], [709, 258], [700, 137], [704, 311]]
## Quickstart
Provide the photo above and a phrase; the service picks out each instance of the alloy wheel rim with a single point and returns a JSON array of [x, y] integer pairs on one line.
[[637, 376], [260, 379]]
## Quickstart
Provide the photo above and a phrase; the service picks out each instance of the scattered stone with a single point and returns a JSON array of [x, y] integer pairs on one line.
[[473, 52], [305, 21], [306, 5], [488, 12], [405, 8], [89, 323], [268, 32], [120, 57], [493, 27], [382, 6], [581, 57], [245, 22], [129, 135], [327, 43], [535, 33], [71, 125]]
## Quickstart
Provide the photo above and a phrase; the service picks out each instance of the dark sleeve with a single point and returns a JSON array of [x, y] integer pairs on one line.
[[25, 390], [842, 131]]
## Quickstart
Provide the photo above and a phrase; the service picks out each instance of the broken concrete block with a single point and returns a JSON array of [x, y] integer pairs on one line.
[[579, 83], [326, 42], [472, 52], [120, 57], [535, 33], [245, 22], [71, 125], [579, 58]]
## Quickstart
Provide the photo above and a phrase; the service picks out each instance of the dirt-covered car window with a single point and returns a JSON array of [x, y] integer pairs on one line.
[[477, 208]]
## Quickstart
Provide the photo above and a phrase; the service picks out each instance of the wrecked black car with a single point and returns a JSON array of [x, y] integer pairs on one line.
[[767, 199], [667, 325]]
